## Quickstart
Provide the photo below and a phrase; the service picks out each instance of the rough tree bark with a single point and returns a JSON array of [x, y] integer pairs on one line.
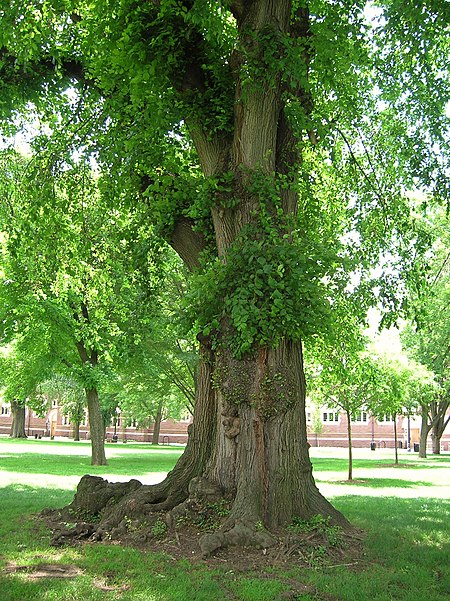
[[18, 420], [261, 457]]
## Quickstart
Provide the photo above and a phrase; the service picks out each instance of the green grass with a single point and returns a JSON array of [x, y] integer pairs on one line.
[[58, 458], [324, 464], [407, 547], [77, 465], [408, 551]]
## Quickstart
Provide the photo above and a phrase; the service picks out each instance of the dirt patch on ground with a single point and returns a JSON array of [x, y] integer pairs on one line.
[[57, 570], [317, 547], [43, 570], [290, 551]]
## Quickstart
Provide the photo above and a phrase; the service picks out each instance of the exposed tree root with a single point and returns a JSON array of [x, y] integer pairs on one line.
[[136, 514], [240, 535]]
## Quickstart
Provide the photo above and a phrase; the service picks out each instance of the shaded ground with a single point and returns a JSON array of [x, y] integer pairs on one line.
[[312, 544], [60, 571]]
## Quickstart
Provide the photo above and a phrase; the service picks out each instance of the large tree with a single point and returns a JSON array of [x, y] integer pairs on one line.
[[257, 135], [427, 339], [71, 287]]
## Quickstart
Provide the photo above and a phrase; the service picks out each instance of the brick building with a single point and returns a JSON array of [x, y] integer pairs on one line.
[[326, 428], [55, 424]]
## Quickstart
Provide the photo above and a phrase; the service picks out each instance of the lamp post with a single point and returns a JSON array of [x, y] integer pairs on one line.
[[372, 444]]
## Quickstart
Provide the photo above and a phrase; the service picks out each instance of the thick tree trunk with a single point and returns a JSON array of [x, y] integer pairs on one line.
[[96, 428], [157, 425], [18, 420], [261, 451], [247, 443], [350, 449]]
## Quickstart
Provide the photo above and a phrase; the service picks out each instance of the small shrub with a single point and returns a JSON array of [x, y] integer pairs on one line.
[[320, 525], [159, 528]]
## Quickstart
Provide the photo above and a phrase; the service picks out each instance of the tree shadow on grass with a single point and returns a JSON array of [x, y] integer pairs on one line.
[[340, 464], [379, 482], [77, 465]]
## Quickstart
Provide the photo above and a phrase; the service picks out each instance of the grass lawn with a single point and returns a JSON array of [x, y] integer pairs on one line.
[[405, 511]]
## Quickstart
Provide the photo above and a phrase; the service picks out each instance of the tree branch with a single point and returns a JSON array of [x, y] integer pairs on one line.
[[188, 243]]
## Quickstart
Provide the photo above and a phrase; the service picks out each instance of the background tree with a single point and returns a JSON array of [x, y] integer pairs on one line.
[[155, 379], [67, 268], [393, 398], [424, 392], [317, 426], [22, 368], [427, 340], [349, 380], [70, 397]]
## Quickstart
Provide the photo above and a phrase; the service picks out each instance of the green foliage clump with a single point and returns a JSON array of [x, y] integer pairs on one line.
[[265, 289], [159, 528]]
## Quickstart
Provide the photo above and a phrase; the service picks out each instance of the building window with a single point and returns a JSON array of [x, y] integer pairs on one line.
[[54, 403], [308, 417], [133, 423], [5, 410], [84, 419], [330, 416], [65, 420], [361, 416], [386, 418]]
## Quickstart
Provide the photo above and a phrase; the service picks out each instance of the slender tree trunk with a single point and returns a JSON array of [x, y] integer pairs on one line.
[[89, 358], [395, 440], [96, 428], [157, 424], [440, 422], [424, 430], [350, 450], [76, 430], [18, 420]]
